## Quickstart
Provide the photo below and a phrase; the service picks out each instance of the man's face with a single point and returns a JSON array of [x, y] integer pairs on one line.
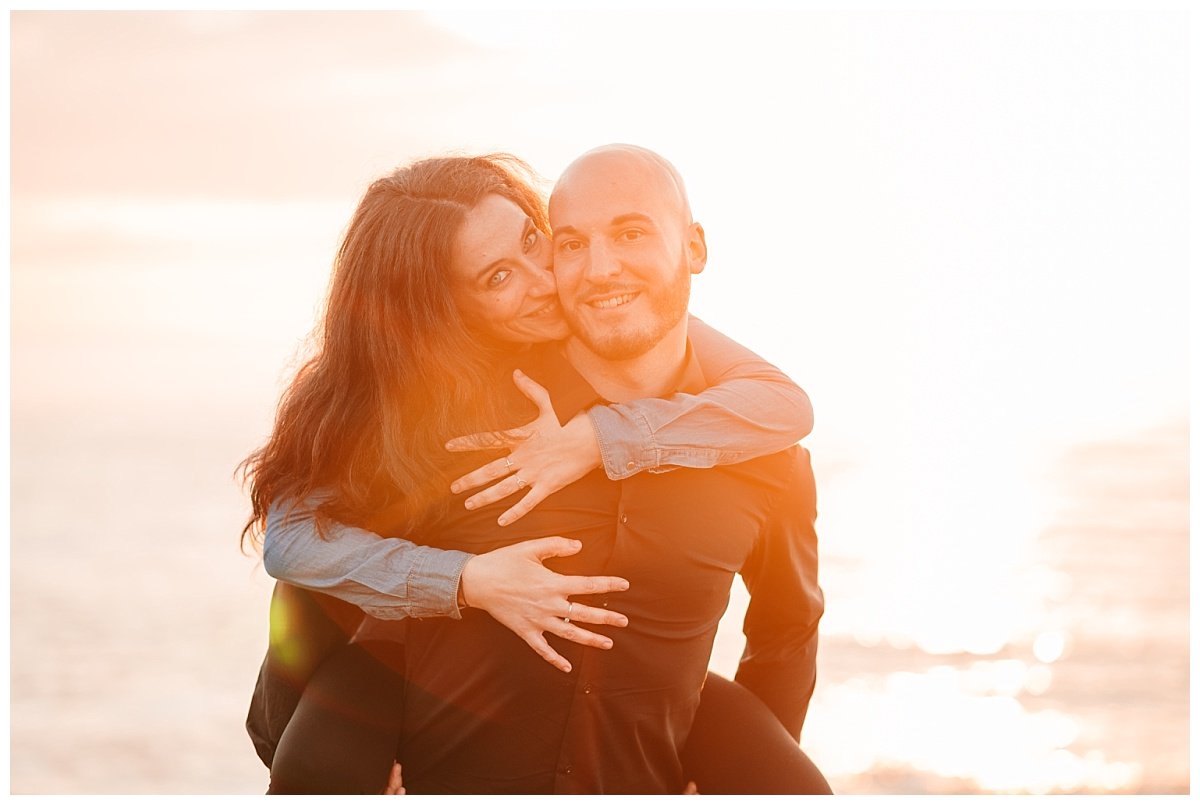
[[624, 253]]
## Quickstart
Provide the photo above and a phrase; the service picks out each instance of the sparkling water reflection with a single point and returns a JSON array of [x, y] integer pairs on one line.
[[1088, 691]]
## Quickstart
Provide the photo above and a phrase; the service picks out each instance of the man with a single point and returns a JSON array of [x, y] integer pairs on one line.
[[481, 712]]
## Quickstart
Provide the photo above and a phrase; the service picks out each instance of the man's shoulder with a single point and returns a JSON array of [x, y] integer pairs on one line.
[[786, 477], [756, 485]]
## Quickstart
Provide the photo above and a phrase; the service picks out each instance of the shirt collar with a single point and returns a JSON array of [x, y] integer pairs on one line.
[[691, 379], [572, 393]]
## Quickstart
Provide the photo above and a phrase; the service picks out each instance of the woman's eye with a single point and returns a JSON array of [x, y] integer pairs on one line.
[[497, 279]]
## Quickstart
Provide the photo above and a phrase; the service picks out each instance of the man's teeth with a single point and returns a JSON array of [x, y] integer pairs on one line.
[[615, 301]]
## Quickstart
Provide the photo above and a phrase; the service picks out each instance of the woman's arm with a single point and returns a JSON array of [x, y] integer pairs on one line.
[[750, 409], [395, 578], [386, 578]]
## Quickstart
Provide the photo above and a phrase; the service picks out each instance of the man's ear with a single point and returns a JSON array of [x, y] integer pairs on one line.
[[697, 249]]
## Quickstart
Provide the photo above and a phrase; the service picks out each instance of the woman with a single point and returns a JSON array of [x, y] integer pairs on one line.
[[414, 337]]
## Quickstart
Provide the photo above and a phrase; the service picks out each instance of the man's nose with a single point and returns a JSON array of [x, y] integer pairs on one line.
[[602, 263]]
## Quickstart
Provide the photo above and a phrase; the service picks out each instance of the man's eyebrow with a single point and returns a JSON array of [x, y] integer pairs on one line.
[[628, 217]]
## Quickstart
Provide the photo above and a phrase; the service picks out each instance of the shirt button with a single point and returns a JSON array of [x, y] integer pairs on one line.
[[567, 769], [624, 518], [587, 688], [604, 603]]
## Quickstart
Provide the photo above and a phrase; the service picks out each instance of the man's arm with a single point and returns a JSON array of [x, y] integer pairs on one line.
[[750, 409], [779, 663]]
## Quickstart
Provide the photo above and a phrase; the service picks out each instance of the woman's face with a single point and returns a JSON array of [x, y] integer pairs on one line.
[[503, 282]]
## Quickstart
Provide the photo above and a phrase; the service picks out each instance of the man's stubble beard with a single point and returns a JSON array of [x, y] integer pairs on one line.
[[668, 307]]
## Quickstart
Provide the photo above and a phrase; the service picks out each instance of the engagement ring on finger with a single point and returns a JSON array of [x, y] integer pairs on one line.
[[521, 484], [570, 606]]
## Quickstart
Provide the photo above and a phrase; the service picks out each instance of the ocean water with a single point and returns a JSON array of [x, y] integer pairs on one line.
[[1090, 693]]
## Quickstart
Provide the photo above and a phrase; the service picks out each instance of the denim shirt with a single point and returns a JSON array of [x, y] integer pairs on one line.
[[752, 409]]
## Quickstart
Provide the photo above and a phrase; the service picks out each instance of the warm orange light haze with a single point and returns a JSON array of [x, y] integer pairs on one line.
[[964, 233]]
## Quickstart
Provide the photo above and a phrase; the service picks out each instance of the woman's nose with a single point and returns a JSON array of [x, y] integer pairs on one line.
[[542, 279], [540, 267]]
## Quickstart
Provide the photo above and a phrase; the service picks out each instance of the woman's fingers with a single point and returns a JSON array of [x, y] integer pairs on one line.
[[488, 472], [509, 486], [543, 548], [536, 393], [523, 506], [596, 615], [538, 643], [395, 784], [569, 631], [488, 440], [591, 585], [535, 494], [514, 586]]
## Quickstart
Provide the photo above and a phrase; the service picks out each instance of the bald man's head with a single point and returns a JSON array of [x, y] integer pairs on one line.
[[652, 171], [625, 247]]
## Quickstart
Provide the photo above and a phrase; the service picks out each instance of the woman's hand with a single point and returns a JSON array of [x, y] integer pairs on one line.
[[545, 456], [395, 784], [513, 586]]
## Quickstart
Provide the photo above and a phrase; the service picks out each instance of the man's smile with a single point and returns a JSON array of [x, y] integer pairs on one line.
[[608, 302]]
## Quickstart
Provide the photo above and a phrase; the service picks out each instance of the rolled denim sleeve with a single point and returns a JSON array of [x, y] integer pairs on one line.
[[387, 578], [750, 409]]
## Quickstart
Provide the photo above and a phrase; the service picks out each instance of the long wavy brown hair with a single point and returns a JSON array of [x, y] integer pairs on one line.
[[395, 370]]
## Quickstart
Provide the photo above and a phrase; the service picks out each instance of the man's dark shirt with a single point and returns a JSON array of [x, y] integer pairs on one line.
[[484, 714]]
